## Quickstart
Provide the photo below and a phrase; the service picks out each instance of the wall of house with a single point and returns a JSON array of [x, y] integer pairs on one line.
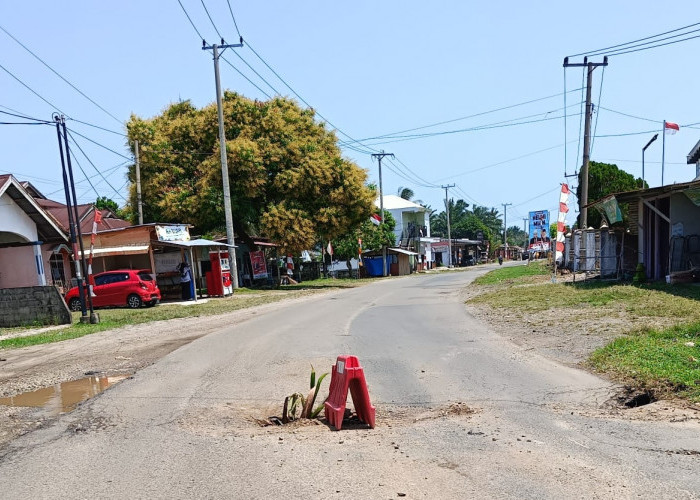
[[15, 220], [17, 267], [41, 305], [685, 211]]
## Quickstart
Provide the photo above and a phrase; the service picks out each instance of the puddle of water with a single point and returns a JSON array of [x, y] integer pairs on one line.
[[62, 398]]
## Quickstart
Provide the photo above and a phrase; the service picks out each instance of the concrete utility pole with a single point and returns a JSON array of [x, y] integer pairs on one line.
[[224, 163], [449, 234], [138, 181], [583, 201], [527, 235], [505, 225], [379, 156]]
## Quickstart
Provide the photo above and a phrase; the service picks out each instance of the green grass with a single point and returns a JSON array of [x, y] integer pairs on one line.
[[513, 273], [116, 318], [659, 361]]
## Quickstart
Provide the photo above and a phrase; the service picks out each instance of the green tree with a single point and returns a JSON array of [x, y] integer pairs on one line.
[[104, 203], [605, 179], [288, 179], [516, 236]]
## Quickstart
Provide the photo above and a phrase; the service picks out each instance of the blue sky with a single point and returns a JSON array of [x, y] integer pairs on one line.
[[371, 69]]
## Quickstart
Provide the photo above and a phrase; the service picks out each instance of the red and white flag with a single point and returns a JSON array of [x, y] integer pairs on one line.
[[329, 249], [671, 128], [561, 222], [376, 220]]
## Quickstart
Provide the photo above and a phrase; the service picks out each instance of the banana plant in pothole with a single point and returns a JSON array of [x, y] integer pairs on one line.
[[297, 402]]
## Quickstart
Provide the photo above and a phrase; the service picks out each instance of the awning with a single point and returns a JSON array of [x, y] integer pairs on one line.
[[192, 243], [401, 250], [122, 250], [265, 244]]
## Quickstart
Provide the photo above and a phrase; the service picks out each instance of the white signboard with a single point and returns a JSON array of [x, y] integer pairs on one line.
[[173, 233]]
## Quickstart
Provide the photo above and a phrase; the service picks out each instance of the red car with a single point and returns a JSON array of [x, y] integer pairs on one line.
[[125, 287]]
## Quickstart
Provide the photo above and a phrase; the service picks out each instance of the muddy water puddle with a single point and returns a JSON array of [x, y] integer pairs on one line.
[[62, 398]]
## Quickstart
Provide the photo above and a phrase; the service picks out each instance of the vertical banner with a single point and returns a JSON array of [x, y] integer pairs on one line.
[[257, 261], [561, 222], [539, 231]]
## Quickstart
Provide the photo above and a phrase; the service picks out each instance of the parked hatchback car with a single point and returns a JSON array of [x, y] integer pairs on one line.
[[124, 287]]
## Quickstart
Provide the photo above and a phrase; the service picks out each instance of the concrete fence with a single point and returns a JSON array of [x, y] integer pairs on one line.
[[32, 305]]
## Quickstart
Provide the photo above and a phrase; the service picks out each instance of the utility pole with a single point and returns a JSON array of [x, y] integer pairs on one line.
[[74, 223], [138, 181], [379, 156], [505, 226], [449, 234], [583, 201], [224, 163], [527, 235]]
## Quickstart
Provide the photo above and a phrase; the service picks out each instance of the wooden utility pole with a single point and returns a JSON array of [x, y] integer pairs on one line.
[[449, 234], [379, 156], [583, 200]]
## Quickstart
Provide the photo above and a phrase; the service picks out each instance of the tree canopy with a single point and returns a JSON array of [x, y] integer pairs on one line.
[[373, 237], [288, 179], [605, 179]]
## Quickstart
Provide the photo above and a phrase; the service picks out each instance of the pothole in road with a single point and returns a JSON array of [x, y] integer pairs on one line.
[[62, 398], [632, 398], [229, 420]]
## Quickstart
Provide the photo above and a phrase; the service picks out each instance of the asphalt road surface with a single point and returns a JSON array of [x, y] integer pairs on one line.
[[461, 413]]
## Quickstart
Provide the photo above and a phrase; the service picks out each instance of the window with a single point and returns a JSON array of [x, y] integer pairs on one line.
[[145, 276], [58, 275]]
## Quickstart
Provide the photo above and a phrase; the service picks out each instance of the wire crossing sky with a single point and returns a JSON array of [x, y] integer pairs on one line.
[[460, 92]]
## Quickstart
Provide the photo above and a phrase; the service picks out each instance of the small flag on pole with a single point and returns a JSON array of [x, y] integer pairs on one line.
[[671, 128], [376, 220], [329, 249]]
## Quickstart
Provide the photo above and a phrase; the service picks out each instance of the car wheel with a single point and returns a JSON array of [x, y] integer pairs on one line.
[[74, 304], [134, 301]]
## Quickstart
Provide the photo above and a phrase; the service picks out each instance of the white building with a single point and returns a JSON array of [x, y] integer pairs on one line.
[[412, 225]]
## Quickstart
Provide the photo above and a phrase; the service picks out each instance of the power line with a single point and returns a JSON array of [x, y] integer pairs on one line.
[[629, 115], [93, 166], [244, 76], [580, 120], [600, 51], [212, 21], [190, 20], [384, 136], [25, 117], [597, 114], [533, 153], [233, 17], [100, 145], [653, 46], [258, 74], [31, 89], [558, 186], [59, 75]]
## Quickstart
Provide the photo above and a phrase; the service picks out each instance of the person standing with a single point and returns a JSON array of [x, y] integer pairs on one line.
[[186, 281]]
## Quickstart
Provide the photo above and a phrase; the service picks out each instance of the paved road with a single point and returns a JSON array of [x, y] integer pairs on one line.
[[461, 413]]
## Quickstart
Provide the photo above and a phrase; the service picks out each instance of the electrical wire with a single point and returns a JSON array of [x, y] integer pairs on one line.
[[654, 46], [25, 117], [97, 127], [558, 187], [593, 52], [234, 19], [59, 75], [597, 114], [580, 123], [258, 74], [368, 149], [190, 20], [533, 153], [31, 89], [100, 145], [482, 113], [70, 135], [211, 20], [244, 76], [629, 115]]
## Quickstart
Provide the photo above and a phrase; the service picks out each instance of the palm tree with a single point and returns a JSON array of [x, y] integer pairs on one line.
[[405, 193]]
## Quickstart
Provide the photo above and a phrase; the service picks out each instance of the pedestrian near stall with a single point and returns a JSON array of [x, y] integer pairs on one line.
[[186, 281]]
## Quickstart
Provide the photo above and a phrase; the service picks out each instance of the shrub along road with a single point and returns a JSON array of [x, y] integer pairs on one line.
[[461, 412]]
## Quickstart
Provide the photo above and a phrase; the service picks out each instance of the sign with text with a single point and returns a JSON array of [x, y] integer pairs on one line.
[[539, 231], [178, 232]]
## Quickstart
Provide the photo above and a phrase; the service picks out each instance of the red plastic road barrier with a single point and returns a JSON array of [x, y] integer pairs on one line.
[[348, 374]]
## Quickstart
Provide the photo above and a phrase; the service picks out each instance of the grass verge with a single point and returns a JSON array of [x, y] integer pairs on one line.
[[512, 273], [116, 318], [650, 332], [666, 362]]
